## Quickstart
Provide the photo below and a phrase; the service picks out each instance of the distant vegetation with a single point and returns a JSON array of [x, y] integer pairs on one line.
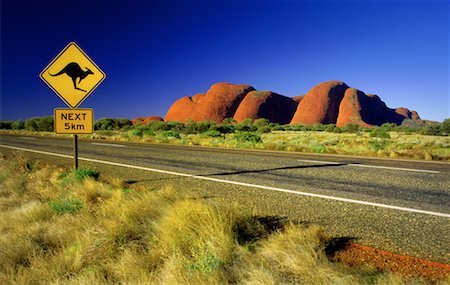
[[230, 126], [60, 227], [413, 139]]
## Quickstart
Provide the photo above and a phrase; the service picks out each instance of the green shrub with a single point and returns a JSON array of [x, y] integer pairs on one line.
[[445, 127], [18, 125], [223, 128], [379, 133], [6, 125], [351, 128], [170, 134], [111, 124], [175, 126], [44, 124], [278, 127], [378, 145], [197, 127], [247, 137], [318, 127], [212, 134], [154, 126], [69, 205], [261, 122], [229, 121], [389, 127], [264, 129], [148, 133], [432, 130], [82, 173], [318, 148], [330, 128], [135, 133]]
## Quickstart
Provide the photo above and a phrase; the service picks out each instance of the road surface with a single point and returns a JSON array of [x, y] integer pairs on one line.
[[396, 205]]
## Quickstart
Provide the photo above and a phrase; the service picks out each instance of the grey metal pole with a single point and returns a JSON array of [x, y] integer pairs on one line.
[[75, 150]]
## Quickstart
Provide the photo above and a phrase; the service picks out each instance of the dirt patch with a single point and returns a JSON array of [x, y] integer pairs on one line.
[[354, 254]]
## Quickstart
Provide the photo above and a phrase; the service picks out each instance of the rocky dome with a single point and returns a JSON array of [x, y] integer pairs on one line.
[[321, 104], [220, 102], [331, 102], [266, 104], [145, 120]]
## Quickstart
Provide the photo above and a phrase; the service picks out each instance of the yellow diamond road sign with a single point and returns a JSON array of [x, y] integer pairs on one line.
[[72, 75]]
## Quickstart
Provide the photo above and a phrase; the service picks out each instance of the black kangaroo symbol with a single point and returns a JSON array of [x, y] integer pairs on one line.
[[74, 71]]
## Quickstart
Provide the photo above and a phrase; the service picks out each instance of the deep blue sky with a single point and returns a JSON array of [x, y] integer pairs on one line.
[[155, 52]]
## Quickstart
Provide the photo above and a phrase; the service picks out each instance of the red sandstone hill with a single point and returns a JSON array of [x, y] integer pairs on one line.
[[220, 102], [331, 102], [145, 120], [265, 104]]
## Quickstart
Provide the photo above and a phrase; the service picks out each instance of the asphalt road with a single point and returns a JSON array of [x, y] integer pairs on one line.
[[396, 205]]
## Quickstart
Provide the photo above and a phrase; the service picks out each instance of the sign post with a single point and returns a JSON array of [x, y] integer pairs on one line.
[[75, 150], [73, 76]]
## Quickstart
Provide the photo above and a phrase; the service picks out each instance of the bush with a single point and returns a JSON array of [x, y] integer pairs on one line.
[[379, 133], [445, 127], [135, 133], [247, 137], [111, 124], [246, 126], [318, 127], [18, 125], [432, 130], [152, 126], [330, 128], [6, 125], [278, 127], [223, 128], [389, 127], [44, 124], [229, 121], [69, 205], [212, 134], [170, 134], [264, 129], [378, 145], [82, 173], [197, 127], [261, 122], [351, 128], [175, 126]]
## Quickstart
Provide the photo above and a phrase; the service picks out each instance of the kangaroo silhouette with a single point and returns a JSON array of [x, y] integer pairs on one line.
[[74, 71]]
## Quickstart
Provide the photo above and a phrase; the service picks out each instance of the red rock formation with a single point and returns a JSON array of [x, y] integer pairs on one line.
[[266, 104], [330, 102], [367, 110], [321, 104], [405, 112], [298, 98], [351, 108], [220, 102], [145, 120]]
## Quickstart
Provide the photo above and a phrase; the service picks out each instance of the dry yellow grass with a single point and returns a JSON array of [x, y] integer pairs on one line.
[[59, 229], [399, 145]]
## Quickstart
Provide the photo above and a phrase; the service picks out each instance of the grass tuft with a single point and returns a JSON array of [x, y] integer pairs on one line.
[[88, 232]]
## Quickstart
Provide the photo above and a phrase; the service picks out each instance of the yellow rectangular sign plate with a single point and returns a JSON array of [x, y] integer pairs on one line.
[[74, 121]]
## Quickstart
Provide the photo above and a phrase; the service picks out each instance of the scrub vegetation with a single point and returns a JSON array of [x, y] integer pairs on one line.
[[60, 227], [413, 139]]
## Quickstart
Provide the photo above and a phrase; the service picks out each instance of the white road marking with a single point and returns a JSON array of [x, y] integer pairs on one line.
[[405, 209], [394, 168], [370, 166], [27, 138], [318, 161], [109, 144]]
